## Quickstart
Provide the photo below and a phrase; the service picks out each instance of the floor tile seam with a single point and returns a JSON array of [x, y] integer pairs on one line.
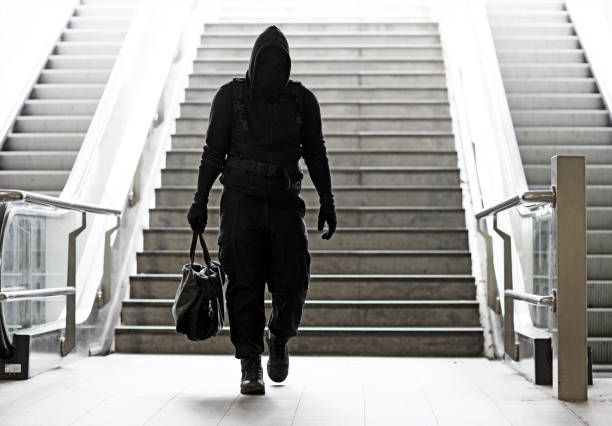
[[297, 406], [227, 410], [486, 394], [83, 416], [424, 392], [160, 408], [363, 398], [576, 415]]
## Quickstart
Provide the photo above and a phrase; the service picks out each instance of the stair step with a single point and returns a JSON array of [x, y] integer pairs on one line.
[[67, 91], [599, 266], [347, 176], [314, 78], [336, 313], [294, 37], [528, 17], [329, 51], [541, 154], [347, 261], [349, 238], [74, 62], [112, 11], [597, 195], [338, 287], [344, 195], [435, 141], [206, 93], [599, 217], [97, 22], [538, 55], [552, 70], [320, 27], [97, 35], [84, 76], [315, 64], [348, 123], [597, 174], [34, 180], [549, 85], [86, 48], [37, 160], [354, 341], [525, 5], [600, 293], [52, 107], [52, 124], [44, 141], [566, 118], [355, 107], [534, 42], [528, 29], [548, 136], [601, 348], [346, 157], [409, 216], [599, 320], [557, 101]]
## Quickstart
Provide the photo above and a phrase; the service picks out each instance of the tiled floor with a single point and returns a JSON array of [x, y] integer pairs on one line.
[[204, 390]]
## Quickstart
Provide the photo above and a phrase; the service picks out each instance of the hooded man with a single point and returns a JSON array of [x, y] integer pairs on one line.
[[264, 123]]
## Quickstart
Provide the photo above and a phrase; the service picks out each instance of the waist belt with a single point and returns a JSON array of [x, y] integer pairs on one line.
[[259, 167]]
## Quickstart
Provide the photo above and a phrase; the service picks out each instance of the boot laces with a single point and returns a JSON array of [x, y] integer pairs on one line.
[[277, 348], [253, 368]]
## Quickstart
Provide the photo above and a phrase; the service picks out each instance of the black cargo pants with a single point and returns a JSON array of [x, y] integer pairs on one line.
[[263, 241]]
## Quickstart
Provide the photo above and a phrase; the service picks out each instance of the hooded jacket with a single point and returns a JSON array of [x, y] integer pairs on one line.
[[269, 77], [270, 125]]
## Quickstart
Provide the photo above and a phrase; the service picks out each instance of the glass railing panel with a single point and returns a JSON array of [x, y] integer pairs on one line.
[[34, 256]]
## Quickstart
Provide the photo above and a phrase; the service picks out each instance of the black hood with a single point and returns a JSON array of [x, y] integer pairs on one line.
[[271, 38]]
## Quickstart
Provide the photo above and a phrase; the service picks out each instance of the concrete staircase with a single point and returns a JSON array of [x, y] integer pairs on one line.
[[396, 277], [557, 109], [39, 152]]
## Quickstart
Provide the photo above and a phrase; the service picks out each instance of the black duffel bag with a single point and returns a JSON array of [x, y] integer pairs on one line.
[[198, 308]]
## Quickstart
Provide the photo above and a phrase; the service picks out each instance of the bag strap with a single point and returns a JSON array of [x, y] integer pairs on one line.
[[194, 241]]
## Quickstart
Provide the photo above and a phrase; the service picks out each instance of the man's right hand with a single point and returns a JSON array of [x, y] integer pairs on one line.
[[198, 217]]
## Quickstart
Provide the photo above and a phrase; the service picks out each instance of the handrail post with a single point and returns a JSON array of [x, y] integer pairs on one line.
[[104, 294], [68, 341], [510, 345], [569, 325], [492, 292]]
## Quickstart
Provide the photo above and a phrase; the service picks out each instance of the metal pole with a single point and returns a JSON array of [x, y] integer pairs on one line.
[[105, 292], [68, 342], [492, 292], [570, 365], [510, 345]]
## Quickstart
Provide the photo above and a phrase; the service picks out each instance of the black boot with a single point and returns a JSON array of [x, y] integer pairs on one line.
[[278, 363], [252, 375]]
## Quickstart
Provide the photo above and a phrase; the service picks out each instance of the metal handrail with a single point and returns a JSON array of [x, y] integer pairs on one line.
[[527, 197], [36, 294], [8, 195], [547, 300], [68, 341]]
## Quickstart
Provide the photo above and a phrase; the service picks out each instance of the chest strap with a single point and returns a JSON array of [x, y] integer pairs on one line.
[[259, 167]]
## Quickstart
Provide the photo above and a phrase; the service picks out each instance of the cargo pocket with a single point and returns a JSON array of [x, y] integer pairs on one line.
[[224, 242]]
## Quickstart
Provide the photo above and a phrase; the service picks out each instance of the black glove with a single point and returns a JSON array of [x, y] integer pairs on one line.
[[198, 215], [327, 213]]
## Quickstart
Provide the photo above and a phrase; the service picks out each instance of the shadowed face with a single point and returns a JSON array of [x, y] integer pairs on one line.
[[271, 71]]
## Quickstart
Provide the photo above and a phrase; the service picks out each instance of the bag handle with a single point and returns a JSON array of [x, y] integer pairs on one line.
[[194, 241]]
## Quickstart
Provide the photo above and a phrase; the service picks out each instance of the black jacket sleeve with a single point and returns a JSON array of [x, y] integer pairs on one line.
[[313, 147], [218, 138]]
